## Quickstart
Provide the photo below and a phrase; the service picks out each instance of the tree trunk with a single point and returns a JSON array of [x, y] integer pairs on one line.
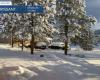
[[12, 41], [22, 42], [18, 43], [66, 48], [66, 40], [32, 44]]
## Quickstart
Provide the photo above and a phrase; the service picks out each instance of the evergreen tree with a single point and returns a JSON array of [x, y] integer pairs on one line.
[[34, 25], [72, 16]]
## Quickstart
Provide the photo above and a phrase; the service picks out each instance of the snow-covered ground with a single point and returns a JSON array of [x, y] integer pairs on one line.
[[18, 65]]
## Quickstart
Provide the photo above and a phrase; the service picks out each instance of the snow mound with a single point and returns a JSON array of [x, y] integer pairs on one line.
[[18, 73]]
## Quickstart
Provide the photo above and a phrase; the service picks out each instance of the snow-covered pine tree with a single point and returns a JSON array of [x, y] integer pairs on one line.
[[70, 13], [39, 25], [10, 26], [86, 38], [44, 28]]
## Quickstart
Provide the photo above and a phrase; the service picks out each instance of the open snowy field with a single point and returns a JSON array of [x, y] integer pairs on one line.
[[18, 65]]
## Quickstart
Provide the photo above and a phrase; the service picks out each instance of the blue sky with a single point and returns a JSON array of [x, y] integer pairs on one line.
[[93, 8]]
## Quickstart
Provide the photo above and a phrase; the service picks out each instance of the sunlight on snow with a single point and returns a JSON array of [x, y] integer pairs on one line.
[[95, 62]]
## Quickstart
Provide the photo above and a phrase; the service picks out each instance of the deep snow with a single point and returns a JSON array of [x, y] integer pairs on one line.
[[18, 65]]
